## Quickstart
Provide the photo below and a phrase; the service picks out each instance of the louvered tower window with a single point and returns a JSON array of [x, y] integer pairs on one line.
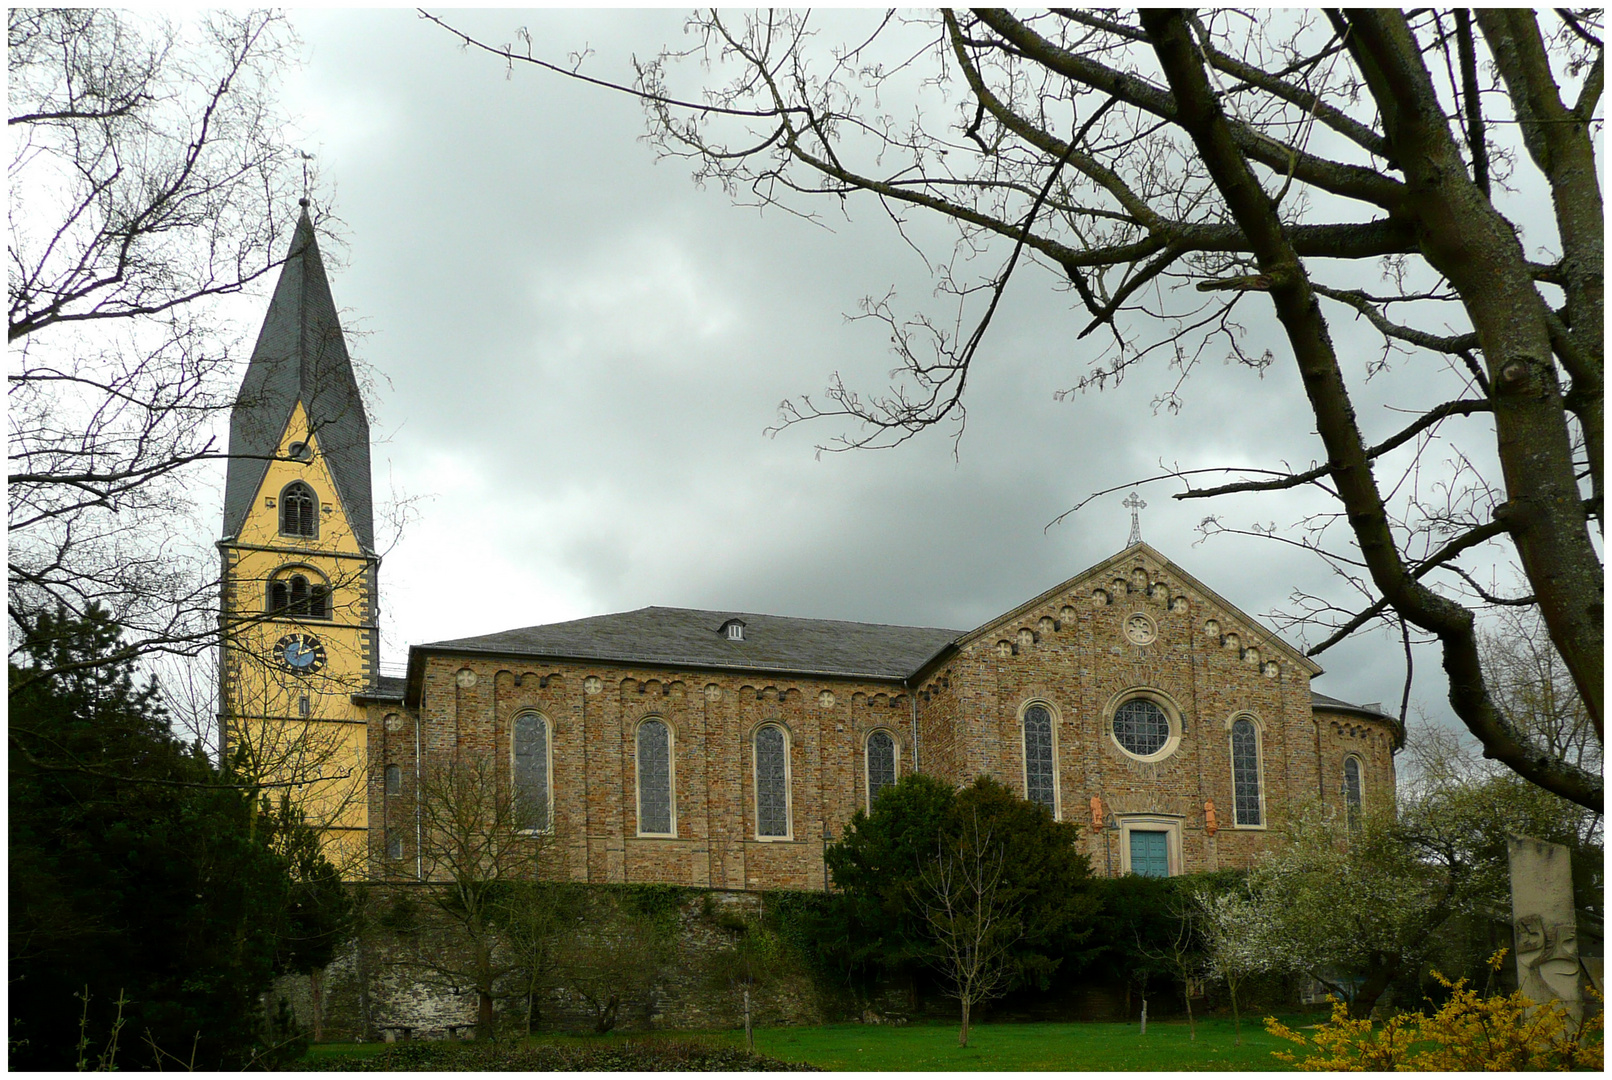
[[772, 782], [654, 778], [1039, 780], [299, 511], [881, 764], [297, 596], [1245, 772]]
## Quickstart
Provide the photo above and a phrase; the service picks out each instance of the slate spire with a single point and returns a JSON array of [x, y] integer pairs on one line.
[[301, 356]]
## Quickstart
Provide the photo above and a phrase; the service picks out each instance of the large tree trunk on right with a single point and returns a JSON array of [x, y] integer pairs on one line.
[[1466, 239]]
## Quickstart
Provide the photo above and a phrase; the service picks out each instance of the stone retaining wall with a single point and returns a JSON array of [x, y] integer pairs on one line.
[[377, 989]]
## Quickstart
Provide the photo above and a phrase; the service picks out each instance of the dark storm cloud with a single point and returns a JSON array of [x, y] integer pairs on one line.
[[584, 348]]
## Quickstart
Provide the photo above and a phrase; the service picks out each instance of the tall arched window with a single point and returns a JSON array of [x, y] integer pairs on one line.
[[1039, 777], [881, 759], [299, 510], [532, 771], [772, 782], [1352, 786], [394, 780], [1245, 773], [654, 779]]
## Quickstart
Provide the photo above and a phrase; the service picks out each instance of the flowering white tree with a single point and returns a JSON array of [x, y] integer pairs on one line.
[[1355, 904], [1241, 940]]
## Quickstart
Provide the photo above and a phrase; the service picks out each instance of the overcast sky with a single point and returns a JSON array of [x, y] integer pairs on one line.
[[577, 351]]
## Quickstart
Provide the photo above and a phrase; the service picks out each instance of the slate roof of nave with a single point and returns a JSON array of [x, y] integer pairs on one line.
[[301, 355], [687, 637]]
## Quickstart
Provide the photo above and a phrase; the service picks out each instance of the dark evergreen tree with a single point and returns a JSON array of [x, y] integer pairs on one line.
[[138, 870], [873, 925]]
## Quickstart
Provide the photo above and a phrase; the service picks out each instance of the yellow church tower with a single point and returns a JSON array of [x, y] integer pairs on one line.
[[299, 610]]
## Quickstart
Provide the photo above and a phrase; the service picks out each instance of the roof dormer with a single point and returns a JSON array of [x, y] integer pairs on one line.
[[733, 630]]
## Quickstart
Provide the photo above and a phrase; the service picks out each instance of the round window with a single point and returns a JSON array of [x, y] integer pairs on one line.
[[1141, 727]]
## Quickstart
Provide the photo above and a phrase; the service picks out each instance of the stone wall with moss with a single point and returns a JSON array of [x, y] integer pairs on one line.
[[379, 986]]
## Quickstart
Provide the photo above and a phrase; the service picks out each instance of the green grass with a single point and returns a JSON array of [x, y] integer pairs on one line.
[[992, 1047], [1024, 1047]]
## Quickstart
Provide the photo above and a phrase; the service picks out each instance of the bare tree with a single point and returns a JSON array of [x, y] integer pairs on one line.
[[1533, 687], [971, 917], [1181, 955], [755, 959], [1373, 165], [533, 918], [149, 176], [476, 841], [611, 959]]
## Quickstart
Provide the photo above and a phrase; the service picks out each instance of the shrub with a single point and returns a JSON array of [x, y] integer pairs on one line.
[[1467, 1034], [640, 1055]]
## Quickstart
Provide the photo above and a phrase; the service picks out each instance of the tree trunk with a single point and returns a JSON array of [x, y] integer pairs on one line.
[[962, 1035], [316, 998], [1236, 1016], [749, 1036], [1192, 1025], [607, 1016], [1378, 977], [484, 1013], [1464, 238], [1144, 1017], [366, 1010]]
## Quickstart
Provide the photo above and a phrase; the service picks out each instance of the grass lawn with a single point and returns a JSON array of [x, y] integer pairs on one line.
[[1024, 1047], [992, 1047]]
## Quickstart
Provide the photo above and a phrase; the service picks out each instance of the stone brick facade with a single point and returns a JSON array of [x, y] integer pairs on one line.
[[1134, 627]]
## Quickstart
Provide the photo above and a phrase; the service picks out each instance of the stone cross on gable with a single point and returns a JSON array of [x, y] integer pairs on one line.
[[1135, 504]]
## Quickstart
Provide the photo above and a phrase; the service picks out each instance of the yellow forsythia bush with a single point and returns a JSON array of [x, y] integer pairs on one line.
[[1467, 1034]]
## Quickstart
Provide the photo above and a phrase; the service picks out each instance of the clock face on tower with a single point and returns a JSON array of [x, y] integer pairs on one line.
[[301, 653]]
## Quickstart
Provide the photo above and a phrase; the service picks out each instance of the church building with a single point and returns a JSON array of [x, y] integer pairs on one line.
[[724, 749]]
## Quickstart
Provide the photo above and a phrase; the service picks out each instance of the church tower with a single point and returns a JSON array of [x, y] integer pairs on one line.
[[299, 611]]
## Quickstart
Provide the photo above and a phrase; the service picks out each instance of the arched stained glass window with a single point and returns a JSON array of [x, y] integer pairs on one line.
[[654, 778], [881, 764], [1352, 786], [394, 780], [772, 782], [532, 770], [1141, 727], [1245, 773], [299, 510], [1038, 772]]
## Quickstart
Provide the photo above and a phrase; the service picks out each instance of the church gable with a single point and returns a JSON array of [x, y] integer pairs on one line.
[[1137, 598]]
